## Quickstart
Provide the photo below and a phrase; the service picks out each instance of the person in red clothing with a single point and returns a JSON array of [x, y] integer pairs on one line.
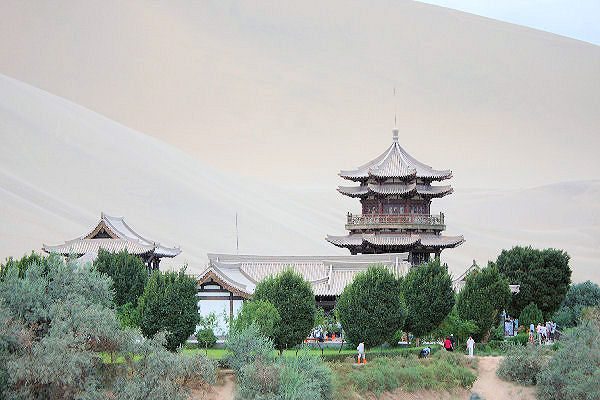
[[448, 344]]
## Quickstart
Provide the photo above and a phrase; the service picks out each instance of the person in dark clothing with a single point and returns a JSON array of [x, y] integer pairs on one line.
[[452, 339]]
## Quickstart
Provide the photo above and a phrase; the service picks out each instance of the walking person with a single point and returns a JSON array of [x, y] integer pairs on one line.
[[448, 344], [361, 353], [470, 346]]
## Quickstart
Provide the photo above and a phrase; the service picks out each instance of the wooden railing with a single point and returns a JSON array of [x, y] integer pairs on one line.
[[395, 219]]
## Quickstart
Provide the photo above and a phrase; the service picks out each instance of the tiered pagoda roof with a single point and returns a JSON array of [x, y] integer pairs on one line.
[[395, 162], [113, 234], [396, 191]]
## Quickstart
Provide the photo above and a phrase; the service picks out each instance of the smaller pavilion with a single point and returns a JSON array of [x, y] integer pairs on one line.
[[113, 234]]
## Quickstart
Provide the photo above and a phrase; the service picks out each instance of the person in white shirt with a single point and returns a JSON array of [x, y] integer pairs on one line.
[[361, 352], [470, 346]]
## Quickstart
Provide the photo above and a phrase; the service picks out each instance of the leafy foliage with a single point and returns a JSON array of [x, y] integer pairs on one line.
[[522, 364], [579, 296], [485, 294], [372, 308], [574, 370], [128, 273], [246, 346], [531, 314], [159, 374], [294, 300], [429, 297], [22, 264], [169, 303], [56, 319], [206, 337], [543, 275], [303, 378], [453, 324], [261, 313]]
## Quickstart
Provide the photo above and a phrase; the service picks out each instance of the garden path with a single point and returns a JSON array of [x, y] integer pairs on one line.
[[223, 390], [490, 387]]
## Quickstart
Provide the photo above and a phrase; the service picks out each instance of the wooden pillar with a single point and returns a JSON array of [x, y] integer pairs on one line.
[[230, 309]]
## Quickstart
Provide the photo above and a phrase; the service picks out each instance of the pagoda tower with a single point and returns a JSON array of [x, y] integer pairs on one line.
[[395, 191]]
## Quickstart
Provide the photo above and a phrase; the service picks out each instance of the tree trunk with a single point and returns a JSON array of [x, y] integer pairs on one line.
[[341, 346]]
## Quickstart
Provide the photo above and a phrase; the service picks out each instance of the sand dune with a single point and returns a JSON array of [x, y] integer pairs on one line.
[[62, 164], [292, 92]]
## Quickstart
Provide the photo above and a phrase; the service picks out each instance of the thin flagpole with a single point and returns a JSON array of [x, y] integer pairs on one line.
[[237, 238]]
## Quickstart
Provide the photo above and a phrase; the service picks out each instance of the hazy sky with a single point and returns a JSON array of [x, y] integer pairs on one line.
[[579, 19]]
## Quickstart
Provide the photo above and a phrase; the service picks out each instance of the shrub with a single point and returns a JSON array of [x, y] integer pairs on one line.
[[484, 295], [429, 297], [371, 308], [169, 303], [453, 324], [579, 296], [128, 273], [206, 338], [261, 313], [294, 300], [520, 339], [531, 314], [522, 364], [574, 370], [304, 378], [246, 346]]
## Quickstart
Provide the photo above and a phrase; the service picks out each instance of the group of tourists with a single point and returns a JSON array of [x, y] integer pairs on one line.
[[544, 333]]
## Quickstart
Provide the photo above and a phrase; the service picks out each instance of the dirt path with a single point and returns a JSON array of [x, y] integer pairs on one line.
[[223, 390], [490, 387]]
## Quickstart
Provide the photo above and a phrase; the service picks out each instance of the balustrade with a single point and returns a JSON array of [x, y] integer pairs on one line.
[[395, 219]]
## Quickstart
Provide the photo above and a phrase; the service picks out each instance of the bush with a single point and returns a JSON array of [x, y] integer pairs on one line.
[[261, 313], [169, 303], [294, 300], [304, 378], [429, 297], [128, 273], [531, 314], [574, 370], [484, 295], [206, 338], [371, 308], [520, 339], [522, 364], [579, 296], [246, 347]]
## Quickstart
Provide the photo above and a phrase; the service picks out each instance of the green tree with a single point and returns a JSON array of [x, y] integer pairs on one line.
[[453, 324], [429, 297], [128, 273], [372, 308], [169, 303], [294, 300], [485, 294], [531, 314], [579, 296], [22, 264], [543, 275], [261, 313]]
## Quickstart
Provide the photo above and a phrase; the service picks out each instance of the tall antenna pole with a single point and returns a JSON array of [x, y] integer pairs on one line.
[[237, 237]]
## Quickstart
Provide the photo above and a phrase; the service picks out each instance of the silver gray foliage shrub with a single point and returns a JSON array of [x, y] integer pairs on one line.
[[574, 370], [247, 345], [55, 321], [522, 364]]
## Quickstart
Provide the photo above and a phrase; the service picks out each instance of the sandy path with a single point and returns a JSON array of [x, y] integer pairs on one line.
[[490, 387], [223, 390]]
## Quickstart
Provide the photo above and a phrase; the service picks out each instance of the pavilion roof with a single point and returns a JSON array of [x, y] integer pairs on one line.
[[121, 237], [395, 162], [402, 189], [328, 275], [396, 239]]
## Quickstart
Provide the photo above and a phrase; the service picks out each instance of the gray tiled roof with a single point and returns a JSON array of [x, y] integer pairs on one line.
[[83, 246], [395, 162], [328, 275], [395, 239], [395, 189]]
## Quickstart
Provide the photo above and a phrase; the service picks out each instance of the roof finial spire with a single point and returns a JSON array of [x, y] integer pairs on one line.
[[395, 130]]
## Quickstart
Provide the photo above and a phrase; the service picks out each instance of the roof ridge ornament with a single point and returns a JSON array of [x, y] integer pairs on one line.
[[395, 134]]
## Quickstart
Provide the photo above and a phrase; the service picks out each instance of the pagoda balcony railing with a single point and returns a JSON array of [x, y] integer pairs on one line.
[[395, 221]]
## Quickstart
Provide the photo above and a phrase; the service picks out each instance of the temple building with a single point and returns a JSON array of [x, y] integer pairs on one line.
[[230, 279], [395, 191], [113, 234]]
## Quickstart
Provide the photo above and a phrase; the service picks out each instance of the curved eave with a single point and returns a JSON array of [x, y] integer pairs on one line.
[[353, 191], [399, 240], [434, 191]]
